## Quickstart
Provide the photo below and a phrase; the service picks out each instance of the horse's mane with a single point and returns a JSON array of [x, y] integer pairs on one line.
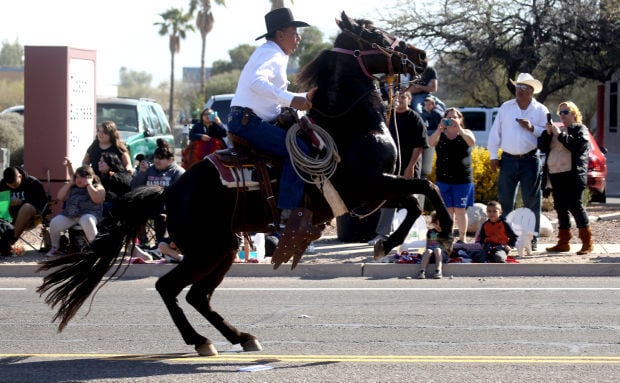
[[311, 72]]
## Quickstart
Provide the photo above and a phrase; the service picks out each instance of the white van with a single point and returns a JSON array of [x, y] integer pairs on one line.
[[479, 120]]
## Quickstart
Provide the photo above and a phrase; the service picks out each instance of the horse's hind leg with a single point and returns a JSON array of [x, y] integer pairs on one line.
[[169, 287], [199, 296]]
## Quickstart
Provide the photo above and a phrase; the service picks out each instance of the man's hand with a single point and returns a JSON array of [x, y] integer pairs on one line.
[[495, 165], [525, 124], [301, 103]]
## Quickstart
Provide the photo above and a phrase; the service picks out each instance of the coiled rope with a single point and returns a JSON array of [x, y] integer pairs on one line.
[[308, 168]]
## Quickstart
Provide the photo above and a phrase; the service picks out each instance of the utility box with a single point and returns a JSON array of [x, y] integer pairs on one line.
[[60, 110]]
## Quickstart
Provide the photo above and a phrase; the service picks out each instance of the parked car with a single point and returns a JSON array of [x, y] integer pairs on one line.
[[221, 104], [597, 171], [479, 120], [140, 121]]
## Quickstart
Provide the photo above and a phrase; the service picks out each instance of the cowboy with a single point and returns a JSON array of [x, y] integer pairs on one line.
[[260, 95], [515, 131]]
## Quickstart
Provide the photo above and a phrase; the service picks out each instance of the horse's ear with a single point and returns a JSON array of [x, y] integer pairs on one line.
[[345, 22]]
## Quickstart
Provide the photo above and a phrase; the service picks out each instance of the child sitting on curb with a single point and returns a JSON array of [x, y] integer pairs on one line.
[[496, 236], [433, 248]]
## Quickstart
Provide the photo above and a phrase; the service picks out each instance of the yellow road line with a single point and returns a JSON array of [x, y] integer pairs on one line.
[[269, 358]]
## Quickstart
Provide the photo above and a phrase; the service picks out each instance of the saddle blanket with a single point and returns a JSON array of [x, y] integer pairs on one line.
[[235, 177]]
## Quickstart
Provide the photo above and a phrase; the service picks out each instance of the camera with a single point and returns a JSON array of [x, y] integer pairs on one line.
[[447, 122], [212, 115]]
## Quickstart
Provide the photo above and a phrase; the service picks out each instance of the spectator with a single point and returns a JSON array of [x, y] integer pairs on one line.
[[115, 179], [516, 129], [261, 93], [184, 133], [455, 179], [164, 172], [495, 236], [432, 117], [83, 198], [107, 140], [206, 136], [434, 251], [28, 198], [424, 88], [166, 250], [566, 163], [409, 134]]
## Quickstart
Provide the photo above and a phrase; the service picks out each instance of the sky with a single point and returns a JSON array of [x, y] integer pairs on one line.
[[123, 35]]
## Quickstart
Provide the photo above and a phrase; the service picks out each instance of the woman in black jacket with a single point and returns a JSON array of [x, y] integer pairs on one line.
[[114, 178], [566, 148]]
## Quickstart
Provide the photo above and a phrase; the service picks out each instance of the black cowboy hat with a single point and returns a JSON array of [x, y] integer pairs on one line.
[[280, 18]]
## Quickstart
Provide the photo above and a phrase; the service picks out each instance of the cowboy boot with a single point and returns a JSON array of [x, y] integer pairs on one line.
[[585, 234], [563, 245]]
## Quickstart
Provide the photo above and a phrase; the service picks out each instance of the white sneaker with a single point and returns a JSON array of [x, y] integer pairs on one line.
[[422, 274], [54, 252]]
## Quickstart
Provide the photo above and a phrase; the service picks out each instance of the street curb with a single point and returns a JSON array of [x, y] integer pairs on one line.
[[364, 270]]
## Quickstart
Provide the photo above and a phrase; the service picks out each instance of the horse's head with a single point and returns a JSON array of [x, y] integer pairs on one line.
[[379, 51]]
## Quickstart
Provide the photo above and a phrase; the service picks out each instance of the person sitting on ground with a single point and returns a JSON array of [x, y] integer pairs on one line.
[[83, 198], [496, 236], [434, 251], [28, 198], [166, 249]]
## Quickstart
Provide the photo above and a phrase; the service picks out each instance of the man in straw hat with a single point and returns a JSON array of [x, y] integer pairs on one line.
[[516, 129], [262, 92]]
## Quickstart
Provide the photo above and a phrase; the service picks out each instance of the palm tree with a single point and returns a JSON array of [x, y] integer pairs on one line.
[[204, 22], [175, 24]]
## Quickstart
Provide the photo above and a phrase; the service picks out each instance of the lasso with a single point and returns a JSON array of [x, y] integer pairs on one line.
[[308, 168], [317, 170]]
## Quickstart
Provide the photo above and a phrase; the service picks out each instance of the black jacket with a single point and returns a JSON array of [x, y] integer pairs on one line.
[[576, 139]]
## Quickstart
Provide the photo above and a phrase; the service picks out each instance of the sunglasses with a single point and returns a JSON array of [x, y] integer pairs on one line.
[[523, 87], [564, 112]]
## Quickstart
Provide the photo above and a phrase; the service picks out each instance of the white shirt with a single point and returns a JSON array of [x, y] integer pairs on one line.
[[263, 82], [508, 135]]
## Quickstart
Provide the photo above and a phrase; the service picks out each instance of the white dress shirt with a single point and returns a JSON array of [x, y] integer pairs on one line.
[[263, 82], [508, 135]]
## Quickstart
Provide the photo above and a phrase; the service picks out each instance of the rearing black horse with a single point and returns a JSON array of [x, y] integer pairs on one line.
[[203, 215]]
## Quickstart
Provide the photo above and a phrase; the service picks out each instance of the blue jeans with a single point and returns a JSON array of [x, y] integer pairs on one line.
[[525, 171], [270, 139]]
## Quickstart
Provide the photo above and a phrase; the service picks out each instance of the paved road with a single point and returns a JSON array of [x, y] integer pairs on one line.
[[338, 329]]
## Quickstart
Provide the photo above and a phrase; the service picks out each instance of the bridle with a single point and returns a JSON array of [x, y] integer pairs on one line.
[[377, 49]]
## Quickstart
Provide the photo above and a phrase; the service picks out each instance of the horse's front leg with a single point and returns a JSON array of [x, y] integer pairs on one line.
[[401, 190], [383, 247], [199, 296]]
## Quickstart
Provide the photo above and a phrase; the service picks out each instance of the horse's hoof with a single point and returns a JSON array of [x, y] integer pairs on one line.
[[252, 345], [206, 349], [379, 251]]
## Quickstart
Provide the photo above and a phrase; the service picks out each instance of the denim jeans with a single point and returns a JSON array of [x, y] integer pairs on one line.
[[270, 139], [525, 171]]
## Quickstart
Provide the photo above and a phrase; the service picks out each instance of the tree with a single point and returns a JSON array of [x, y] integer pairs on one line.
[[204, 23], [134, 84], [557, 41], [11, 55], [311, 44], [175, 24]]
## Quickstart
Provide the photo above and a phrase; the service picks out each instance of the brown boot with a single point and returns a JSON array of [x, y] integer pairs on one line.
[[564, 237], [585, 234]]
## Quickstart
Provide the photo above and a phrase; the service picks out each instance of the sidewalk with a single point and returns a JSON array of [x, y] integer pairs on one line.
[[333, 259]]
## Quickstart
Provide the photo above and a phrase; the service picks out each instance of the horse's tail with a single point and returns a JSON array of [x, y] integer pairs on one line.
[[76, 276]]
